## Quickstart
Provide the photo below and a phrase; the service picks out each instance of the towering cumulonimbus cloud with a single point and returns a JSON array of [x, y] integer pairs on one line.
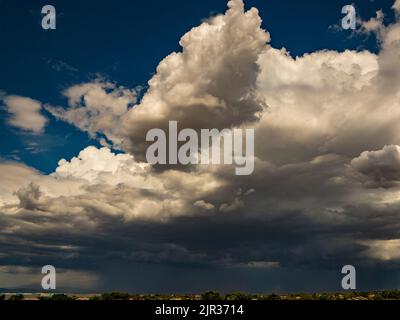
[[212, 83]]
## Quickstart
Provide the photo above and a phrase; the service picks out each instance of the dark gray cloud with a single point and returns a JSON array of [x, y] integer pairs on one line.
[[219, 243], [379, 168]]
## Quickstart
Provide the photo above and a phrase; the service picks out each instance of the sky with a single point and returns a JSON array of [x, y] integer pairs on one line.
[[76, 103]]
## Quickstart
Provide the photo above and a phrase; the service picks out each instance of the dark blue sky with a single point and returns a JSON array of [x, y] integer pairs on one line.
[[124, 41]]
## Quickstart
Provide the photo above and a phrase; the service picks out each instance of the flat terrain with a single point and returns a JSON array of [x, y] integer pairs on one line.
[[210, 295]]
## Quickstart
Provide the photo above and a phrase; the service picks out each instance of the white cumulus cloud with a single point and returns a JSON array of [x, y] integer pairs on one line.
[[25, 113]]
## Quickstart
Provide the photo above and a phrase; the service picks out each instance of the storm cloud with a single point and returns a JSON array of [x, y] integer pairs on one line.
[[324, 192]]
